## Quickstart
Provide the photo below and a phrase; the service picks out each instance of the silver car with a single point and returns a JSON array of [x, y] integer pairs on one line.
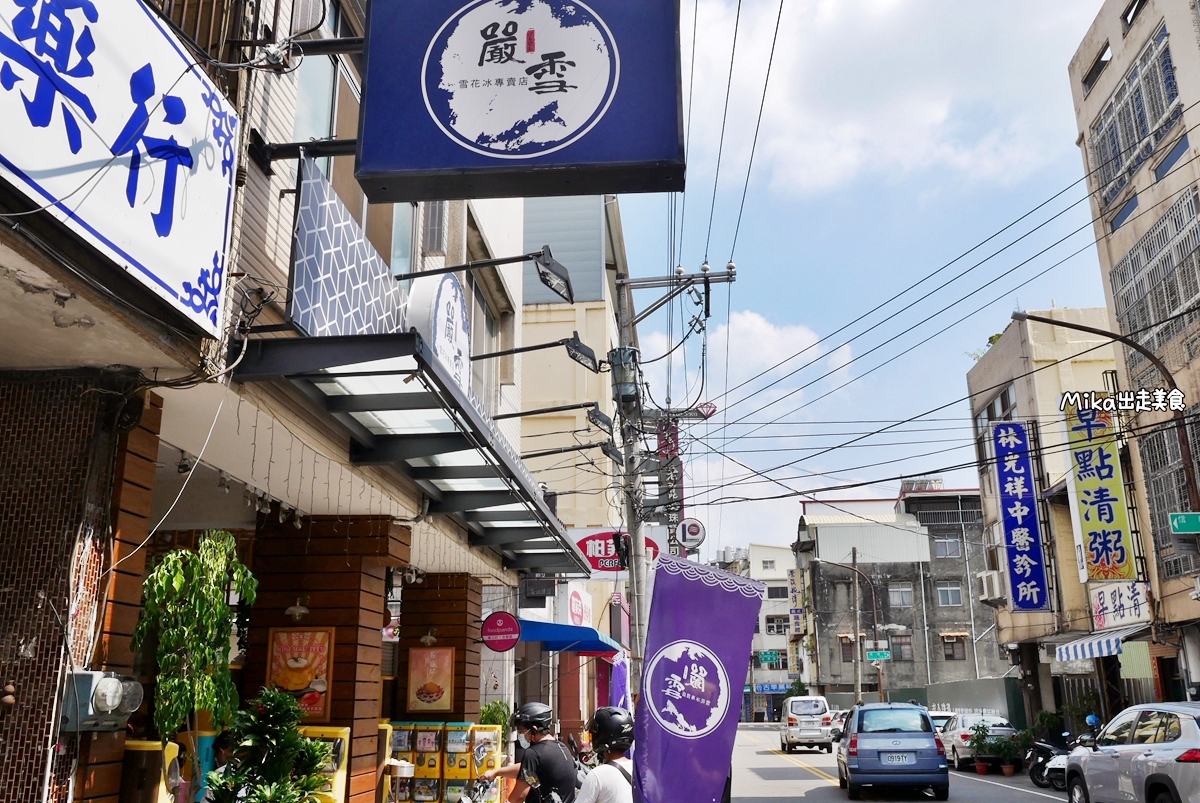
[[957, 735], [1147, 753]]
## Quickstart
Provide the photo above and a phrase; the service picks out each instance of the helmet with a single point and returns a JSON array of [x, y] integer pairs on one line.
[[611, 729], [536, 716], [1093, 721]]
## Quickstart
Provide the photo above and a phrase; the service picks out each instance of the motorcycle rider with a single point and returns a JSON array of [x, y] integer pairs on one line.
[[611, 729], [546, 773]]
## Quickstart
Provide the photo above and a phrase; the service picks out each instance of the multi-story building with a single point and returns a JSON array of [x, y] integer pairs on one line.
[[917, 604], [771, 674], [1135, 80]]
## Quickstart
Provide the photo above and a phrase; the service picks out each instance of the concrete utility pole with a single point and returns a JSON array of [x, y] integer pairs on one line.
[[855, 630]]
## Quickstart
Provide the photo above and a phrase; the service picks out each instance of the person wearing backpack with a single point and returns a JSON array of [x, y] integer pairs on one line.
[[611, 729]]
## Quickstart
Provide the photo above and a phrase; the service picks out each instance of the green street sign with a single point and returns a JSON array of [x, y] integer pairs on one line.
[[769, 656], [1185, 524], [879, 655]]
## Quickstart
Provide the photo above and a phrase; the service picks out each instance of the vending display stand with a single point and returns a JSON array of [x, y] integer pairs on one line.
[[334, 791], [150, 773], [427, 785]]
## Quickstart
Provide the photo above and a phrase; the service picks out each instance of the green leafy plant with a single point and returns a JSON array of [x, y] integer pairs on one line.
[[1004, 748], [496, 712], [980, 740], [270, 762], [1026, 738], [797, 689], [186, 613]]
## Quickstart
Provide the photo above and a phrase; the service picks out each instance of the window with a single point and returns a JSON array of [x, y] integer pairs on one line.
[[810, 707], [757, 627], [768, 565], [777, 625], [315, 81], [1093, 73], [847, 650], [485, 339], [954, 649], [894, 720], [1131, 12], [1001, 408], [777, 592], [1117, 731], [1127, 209], [403, 216], [902, 648], [949, 593], [947, 547], [433, 228], [1148, 728], [1174, 156], [900, 595]]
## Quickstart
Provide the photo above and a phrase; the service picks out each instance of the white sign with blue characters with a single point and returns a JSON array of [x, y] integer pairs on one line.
[[111, 126]]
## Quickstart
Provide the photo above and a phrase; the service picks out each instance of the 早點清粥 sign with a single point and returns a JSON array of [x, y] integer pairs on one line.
[[1099, 511], [502, 98], [1119, 604], [1028, 588], [133, 148]]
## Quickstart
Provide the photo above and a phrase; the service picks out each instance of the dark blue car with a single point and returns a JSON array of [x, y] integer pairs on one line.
[[893, 745]]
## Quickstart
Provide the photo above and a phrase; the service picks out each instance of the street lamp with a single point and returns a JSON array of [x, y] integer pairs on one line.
[[874, 617], [551, 272], [1185, 447], [577, 350]]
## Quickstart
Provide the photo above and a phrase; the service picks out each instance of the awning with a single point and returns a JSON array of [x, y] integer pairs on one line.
[[568, 638], [403, 410], [1098, 645]]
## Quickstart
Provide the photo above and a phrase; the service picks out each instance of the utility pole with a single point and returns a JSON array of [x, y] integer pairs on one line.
[[855, 630]]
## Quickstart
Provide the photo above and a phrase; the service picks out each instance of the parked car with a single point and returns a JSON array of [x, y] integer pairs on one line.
[[957, 735], [940, 718], [801, 724], [834, 722], [1147, 753], [891, 745]]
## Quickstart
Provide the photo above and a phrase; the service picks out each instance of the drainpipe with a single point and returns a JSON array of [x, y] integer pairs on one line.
[[925, 621], [967, 580]]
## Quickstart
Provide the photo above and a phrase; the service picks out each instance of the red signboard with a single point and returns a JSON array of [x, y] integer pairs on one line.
[[600, 552], [501, 631]]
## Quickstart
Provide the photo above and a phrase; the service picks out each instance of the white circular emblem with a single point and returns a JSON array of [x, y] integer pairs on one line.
[[516, 79], [687, 689]]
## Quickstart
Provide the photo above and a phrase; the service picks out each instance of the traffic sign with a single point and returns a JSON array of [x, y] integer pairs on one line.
[[879, 655], [1185, 524], [769, 656]]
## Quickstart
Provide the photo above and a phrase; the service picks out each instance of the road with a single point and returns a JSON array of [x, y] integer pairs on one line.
[[762, 774]]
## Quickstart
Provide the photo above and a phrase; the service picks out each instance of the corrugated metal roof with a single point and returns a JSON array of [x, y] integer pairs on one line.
[[860, 518]]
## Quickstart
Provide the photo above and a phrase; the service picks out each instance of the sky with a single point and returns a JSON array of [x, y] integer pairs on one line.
[[896, 136]]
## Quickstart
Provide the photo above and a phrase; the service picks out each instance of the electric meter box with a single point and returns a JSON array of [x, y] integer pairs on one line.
[[335, 772], [458, 752], [98, 701]]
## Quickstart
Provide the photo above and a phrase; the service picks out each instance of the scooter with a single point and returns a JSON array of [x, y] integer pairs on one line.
[[477, 791], [1040, 758], [1056, 772]]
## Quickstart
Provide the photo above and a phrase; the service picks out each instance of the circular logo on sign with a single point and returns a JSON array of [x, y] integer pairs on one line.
[[501, 631], [518, 79], [576, 605], [687, 689]]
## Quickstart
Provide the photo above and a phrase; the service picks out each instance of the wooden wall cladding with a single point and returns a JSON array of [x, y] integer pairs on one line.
[[450, 607], [340, 564]]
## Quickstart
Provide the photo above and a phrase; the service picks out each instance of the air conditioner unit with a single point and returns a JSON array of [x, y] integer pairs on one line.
[[1195, 593], [991, 588]]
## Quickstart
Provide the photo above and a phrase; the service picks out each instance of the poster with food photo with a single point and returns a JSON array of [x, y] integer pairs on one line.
[[430, 679], [301, 660]]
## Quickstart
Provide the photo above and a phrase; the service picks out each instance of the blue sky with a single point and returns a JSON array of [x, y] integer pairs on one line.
[[897, 135]]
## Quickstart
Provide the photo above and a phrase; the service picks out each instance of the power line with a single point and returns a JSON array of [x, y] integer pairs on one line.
[[724, 119]]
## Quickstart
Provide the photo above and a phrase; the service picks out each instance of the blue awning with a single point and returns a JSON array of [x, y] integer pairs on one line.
[[1098, 645], [568, 638]]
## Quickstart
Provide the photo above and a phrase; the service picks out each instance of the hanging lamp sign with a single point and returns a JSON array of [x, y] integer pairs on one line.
[[511, 98]]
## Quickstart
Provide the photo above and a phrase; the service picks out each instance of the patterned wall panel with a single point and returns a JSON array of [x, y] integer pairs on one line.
[[340, 284]]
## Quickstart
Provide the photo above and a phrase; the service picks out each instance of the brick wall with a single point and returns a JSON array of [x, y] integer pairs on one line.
[[57, 447]]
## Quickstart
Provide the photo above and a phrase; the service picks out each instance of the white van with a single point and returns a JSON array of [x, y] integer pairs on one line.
[[800, 724]]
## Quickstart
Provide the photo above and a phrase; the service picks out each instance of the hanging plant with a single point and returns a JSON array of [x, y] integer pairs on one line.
[[185, 608]]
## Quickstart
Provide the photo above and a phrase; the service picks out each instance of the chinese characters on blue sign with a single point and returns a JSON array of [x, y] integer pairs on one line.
[[1028, 589], [131, 147]]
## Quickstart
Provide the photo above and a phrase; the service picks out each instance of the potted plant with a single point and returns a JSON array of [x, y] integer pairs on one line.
[[980, 745], [1006, 749]]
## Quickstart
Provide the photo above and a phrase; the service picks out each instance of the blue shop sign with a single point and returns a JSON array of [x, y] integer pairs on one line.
[[771, 688], [1028, 588], [503, 98]]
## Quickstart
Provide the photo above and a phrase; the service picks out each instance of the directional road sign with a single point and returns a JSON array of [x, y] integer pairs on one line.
[[879, 655], [1185, 523], [769, 656]]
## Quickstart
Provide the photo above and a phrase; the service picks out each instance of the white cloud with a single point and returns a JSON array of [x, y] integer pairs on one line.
[[882, 88]]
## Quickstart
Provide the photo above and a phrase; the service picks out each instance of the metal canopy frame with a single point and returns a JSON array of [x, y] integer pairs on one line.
[[487, 488]]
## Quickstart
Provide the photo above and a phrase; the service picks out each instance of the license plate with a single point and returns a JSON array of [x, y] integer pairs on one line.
[[897, 758]]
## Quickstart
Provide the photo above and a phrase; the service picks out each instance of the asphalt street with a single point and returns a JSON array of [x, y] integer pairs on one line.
[[763, 774]]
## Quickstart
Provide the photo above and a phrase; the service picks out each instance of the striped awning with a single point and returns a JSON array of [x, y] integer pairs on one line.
[[1098, 645]]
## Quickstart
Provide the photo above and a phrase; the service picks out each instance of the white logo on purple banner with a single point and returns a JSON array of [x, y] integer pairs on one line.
[[687, 689]]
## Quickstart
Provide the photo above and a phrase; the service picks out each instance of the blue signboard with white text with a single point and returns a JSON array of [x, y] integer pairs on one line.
[[504, 98], [1028, 587]]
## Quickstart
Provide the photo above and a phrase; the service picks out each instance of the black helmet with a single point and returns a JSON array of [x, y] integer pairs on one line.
[[537, 716], [611, 729]]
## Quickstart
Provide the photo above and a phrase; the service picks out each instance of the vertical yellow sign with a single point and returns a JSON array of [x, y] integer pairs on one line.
[[1100, 494]]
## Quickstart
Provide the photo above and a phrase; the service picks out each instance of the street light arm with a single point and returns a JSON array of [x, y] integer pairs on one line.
[[476, 265], [1185, 445]]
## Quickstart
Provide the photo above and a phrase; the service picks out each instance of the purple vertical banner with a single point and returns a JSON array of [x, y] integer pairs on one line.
[[618, 685], [697, 651]]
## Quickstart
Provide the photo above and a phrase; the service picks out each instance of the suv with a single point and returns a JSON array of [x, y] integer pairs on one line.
[[891, 745], [805, 722], [1147, 753]]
